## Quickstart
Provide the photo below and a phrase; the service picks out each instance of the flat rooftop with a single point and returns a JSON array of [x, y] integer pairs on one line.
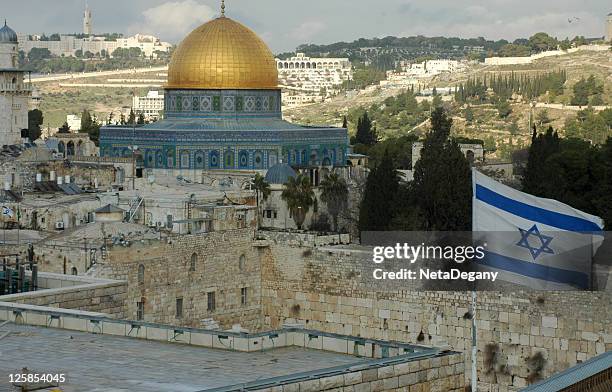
[[105, 363]]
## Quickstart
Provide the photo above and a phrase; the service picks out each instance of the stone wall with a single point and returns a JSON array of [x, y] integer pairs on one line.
[[169, 274], [100, 296], [327, 290], [432, 374]]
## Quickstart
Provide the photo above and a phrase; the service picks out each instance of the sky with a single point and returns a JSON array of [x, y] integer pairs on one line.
[[285, 24]]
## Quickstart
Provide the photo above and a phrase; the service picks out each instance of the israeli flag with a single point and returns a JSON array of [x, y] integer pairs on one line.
[[7, 212], [536, 242]]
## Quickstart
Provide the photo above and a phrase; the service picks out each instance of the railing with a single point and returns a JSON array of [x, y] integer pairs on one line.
[[13, 87]]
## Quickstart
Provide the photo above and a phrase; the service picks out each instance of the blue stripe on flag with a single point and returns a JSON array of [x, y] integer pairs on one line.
[[537, 271], [537, 214]]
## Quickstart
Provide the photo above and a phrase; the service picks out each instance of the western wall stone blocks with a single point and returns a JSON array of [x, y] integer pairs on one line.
[[407, 379], [309, 386], [385, 372], [391, 383], [363, 387], [590, 336], [352, 378], [331, 382], [549, 322]]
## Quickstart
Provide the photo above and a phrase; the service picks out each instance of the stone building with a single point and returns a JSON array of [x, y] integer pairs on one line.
[[15, 90]]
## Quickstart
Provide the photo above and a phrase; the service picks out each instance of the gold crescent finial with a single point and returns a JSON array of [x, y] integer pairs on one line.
[[222, 8]]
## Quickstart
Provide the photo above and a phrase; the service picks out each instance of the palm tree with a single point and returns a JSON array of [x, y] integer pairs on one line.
[[263, 188], [299, 196], [334, 193]]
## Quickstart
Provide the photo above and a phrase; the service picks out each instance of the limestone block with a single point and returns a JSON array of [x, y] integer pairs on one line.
[[369, 375], [156, 333], [385, 372], [391, 383], [309, 386], [401, 368], [590, 336], [38, 319], [377, 386], [363, 387], [335, 345], [110, 328], [291, 388], [549, 322], [384, 313], [408, 380], [352, 378], [331, 382]]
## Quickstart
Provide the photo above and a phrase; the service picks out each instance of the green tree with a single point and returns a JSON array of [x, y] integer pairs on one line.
[[541, 42], [334, 193], [378, 204], [503, 108], [542, 117], [262, 189], [90, 126], [299, 196], [442, 180], [64, 128], [469, 114], [141, 119], [366, 134], [35, 120], [542, 147], [132, 118]]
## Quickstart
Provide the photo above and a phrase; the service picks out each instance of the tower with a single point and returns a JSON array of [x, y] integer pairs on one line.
[[609, 28], [87, 30], [15, 92]]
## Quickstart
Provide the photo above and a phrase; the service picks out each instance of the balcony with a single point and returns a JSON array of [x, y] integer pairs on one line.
[[15, 87]]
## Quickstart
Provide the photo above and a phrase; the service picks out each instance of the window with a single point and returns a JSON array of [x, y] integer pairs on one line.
[[242, 262], [74, 271], [140, 310], [211, 301], [141, 274], [194, 260], [179, 307], [243, 296]]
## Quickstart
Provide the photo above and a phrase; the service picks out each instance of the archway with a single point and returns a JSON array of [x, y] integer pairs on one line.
[[70, 149]]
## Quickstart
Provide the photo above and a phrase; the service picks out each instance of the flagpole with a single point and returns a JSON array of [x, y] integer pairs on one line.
[[474, 345]]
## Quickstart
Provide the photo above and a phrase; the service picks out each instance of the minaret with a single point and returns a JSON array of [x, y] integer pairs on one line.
[[609, 28], [87, 21], [15, 90]]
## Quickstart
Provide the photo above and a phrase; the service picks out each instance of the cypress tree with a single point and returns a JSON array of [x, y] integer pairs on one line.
[[377, 207], [442, 179]]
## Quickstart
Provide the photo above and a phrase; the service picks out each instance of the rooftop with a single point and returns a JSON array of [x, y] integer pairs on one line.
[[109, 363]]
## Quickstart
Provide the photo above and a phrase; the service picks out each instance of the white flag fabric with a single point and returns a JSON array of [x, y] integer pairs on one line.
[[6, 211], [536, 242]]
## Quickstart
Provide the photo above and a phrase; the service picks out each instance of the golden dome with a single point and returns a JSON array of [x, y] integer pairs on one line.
[[222, 54]]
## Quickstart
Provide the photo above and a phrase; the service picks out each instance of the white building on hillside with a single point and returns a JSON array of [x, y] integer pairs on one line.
[[312, 77], [151, 105], [68, 45]]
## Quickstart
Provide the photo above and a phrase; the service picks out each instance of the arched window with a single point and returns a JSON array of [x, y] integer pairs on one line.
[[243, 159], [228, 159], [258, 160], [141, 274], [193, 262], [74, 271], [213, 160], [242, 262]]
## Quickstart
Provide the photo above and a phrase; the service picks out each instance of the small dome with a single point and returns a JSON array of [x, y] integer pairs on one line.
[[280, 174], [7, 35]]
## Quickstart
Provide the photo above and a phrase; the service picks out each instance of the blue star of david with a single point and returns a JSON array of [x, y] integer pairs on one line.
[[544, 240]]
